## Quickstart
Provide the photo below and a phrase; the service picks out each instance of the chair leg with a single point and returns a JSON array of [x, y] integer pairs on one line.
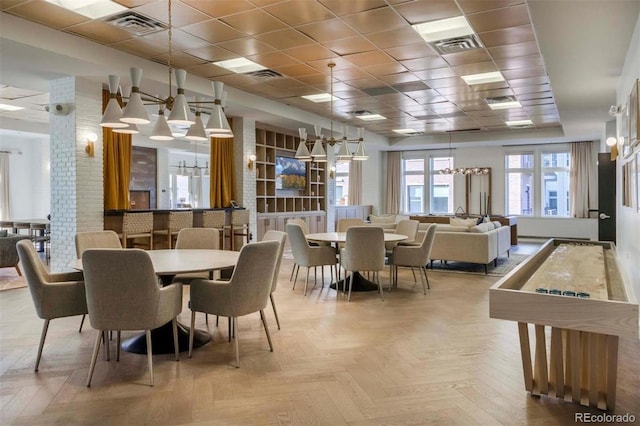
[[296, 278], [377, 276], [18, 270], [149, 356], [45, 327], [293, 269], [193, 323], [424, 287], [322, 276], [117, 345], [94, 357], [306, 280], [413, 271], [266, 329], [275, 312], [176, 346], [81, 323], [424, 268], [107, 349], [206, 319], [350, 284], [235, 326]]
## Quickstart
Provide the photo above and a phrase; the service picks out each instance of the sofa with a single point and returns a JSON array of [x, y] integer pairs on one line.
[[471, 242], [8, 252]]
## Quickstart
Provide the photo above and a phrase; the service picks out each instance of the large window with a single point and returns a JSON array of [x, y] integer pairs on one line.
[[555, 184], [424, 189], [441, 186], [413, 185], [342, 183], [520, 184]]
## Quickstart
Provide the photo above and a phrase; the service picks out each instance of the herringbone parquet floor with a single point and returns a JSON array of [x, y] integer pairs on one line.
[[410, 360]]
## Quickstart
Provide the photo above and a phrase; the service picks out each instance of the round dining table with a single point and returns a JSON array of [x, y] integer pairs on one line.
[[167, 264], [360, 283]]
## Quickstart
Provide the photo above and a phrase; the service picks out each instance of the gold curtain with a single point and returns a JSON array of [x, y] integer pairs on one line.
[[116, 165], [223, 186]]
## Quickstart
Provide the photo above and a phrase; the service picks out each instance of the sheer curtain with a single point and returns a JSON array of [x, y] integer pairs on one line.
[[5, 208], [582, 172], [394, 182], [355, 183]]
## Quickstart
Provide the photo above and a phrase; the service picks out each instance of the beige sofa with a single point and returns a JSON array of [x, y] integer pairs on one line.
[[481, 243]]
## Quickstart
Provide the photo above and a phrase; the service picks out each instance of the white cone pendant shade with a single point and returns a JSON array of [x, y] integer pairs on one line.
[[131, 129], [317, 152], [218, 124], [303, 153], [113, 112], [225, 122], [180, 110], [161, 130], [343, 152], [360, 153], [196, 131], [135, 112]]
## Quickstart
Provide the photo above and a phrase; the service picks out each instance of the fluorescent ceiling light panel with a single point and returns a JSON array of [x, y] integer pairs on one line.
[[371, 117], [485, 77], [444, 29], [93, 9], [320, 97], [405, 131], [505, 105], [6, 107], [240, 65], [519, 123]]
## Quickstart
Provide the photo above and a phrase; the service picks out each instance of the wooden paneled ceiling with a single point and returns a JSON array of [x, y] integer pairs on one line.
[[382, 64]]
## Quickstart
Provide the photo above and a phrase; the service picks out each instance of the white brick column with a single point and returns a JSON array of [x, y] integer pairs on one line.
[[76, 178], [330, 191], [244, 145]]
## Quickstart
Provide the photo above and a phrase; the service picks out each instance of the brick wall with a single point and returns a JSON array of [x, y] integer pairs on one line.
[[244, 131]]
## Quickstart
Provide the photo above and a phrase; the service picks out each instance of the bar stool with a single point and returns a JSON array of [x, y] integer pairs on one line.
[[239, 226], [137, 225], [6, 224], [175, 222], [215, 219], [37, 232], [18, 226]]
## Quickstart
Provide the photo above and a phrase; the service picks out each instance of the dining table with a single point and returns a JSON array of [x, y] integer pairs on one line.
[[360, 283], [167, 264]]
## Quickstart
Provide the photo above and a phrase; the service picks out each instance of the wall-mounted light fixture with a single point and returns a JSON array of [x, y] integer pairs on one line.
[[611, 141], [90, 147], [252, 160], [332, 172]]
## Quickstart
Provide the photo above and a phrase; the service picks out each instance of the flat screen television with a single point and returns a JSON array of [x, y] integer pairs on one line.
[[290, 173]]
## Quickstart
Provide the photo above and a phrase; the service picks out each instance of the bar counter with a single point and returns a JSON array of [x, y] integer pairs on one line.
[[113, 218]]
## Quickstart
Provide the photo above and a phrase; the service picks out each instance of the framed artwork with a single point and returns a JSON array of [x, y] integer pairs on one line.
[[625, 185], [633, 199], [633, 109], [623, 140]]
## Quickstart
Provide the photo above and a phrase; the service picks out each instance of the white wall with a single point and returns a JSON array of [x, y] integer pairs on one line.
[[373, 180], [628, 223]]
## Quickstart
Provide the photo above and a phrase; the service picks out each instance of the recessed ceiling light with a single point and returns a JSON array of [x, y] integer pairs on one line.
[[93, 9], [519, 123], [6, 107], [444, 29], [239, 65], [371, 117], [405, 131], [320, 97], [505, 105], [485, 77]]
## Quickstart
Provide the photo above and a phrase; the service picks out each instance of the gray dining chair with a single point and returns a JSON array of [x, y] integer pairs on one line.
[[246, 292], [197, 239], [123, 294], [281, 238], [308, 256], [55, 295], [364, 251], [413, 256]]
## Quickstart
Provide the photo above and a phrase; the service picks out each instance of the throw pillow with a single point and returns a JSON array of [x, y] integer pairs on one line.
[[483, 227], [496, 224], [457, 221], [3, 233], [382, 219]]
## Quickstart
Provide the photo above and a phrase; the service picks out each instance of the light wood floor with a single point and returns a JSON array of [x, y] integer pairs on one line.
[[412, 359]]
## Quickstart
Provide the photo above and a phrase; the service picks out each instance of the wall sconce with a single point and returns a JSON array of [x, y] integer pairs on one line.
[[332, 172], [252, 159], [90, 147]]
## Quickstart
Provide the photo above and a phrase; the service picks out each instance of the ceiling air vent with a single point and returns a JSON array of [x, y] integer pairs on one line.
[[264, 74], [417, 133], [135, 23], [501, 99], [360, 112], [457, 44]]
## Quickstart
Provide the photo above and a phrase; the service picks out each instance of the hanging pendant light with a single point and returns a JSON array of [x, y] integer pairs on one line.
[[131, 129], [302, 153], [161, 130], [196, 132], [344, 155], [135, 112], [180, 109], [218, 124], [360, 154], [318, 154], [113, 112], [225, 122]]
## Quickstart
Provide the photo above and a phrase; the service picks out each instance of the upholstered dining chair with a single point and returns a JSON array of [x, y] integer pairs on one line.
[[305, 229], [363, 251], [281, 238], [215, 219], [123, 294], [308, 256], [413, 256], [246, 292], [174, 223], [55, 295], [136, 226], [344, 224], [404, 227]]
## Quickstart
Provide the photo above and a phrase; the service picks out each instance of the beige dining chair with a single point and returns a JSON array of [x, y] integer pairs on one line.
[[281, 238], [413, 256], [123, 294], [246, 292], [308, 256], [239, 227], [55, 295], [215, 219], [96, 239], [137, 226], [404, 227], [363, 251], [175, 222], [344, 224], [305, 229]]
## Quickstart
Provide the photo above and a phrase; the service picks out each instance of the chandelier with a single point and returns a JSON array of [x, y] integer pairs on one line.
[[193, 171], [125, 120], [318, 152], [461, 170]]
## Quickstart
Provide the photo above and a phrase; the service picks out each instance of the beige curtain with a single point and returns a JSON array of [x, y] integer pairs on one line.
[[5, 208], [582, 172], [355, 183], [394, 182]]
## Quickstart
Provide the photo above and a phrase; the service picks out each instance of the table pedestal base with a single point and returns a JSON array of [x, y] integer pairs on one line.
[[162, 340], [360, 283]]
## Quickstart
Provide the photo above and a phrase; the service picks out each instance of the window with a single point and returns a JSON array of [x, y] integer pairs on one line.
[[413, 185], [519, 173], [441, 186], [555, 183], [342, 183], [418, 195]]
